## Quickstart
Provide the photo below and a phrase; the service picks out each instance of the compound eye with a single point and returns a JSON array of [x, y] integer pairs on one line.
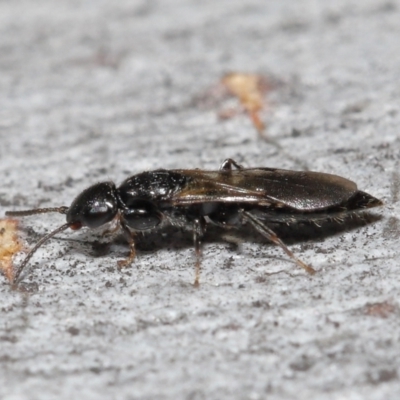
[[142, 215], [94, 207], [98, 213]]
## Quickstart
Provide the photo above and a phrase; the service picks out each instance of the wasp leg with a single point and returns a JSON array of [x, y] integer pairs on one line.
[[228, 163], [132, 253], [271, 235], [111, 231], [198, 233]]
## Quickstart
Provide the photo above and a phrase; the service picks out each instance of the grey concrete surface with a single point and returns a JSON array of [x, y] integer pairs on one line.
[[97, 90]]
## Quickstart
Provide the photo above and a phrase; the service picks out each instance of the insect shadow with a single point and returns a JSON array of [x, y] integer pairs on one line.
[[175, 238]]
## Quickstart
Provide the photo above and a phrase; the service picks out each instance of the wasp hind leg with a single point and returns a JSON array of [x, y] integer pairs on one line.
[[271, 236], [228, 164]]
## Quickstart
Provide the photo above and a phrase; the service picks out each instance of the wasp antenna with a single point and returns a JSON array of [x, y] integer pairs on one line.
[[25, 213], [38, 244]]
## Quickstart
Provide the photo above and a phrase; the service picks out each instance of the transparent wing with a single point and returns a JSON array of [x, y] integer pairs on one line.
[[299, 190]]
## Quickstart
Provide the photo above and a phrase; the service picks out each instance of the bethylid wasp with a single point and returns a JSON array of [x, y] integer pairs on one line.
[[229, 198]]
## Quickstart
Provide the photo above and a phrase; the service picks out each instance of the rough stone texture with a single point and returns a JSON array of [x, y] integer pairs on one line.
[[97, 90]]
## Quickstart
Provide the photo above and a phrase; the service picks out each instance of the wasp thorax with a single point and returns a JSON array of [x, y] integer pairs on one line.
[[142, 215]]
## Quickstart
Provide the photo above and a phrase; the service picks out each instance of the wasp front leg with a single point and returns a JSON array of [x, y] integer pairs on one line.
[[199, 227], [132, 249], [228, 164]]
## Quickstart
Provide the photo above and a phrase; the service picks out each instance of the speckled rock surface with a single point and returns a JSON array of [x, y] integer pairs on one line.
[[91, 91]]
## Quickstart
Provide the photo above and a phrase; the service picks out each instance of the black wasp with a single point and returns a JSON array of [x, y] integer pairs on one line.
[[229, 198]]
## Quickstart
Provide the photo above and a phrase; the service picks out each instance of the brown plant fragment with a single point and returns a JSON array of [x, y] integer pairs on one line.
[[250, 89], [381, 310], [9, 245]]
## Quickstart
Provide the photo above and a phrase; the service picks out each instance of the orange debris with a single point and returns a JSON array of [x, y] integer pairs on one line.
[[9, 245], [250, 89]]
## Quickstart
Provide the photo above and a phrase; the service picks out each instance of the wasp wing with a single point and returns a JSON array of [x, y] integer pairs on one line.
[[298, 190]]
